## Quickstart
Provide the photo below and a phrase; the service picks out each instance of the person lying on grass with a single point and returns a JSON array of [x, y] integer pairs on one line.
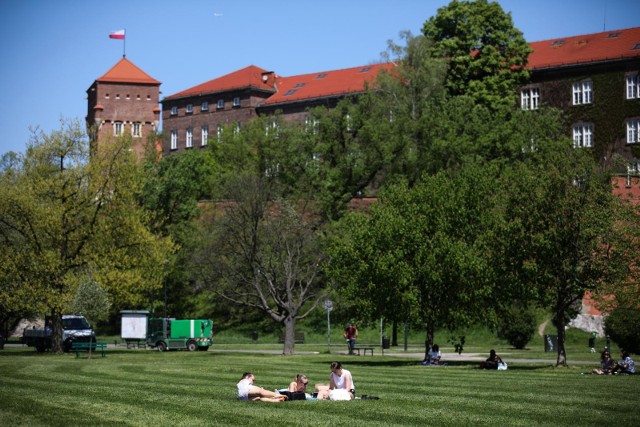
[[248, 391]]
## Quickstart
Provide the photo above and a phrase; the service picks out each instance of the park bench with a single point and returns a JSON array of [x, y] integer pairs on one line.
[[364, 349], [299, 337], [86, 346]]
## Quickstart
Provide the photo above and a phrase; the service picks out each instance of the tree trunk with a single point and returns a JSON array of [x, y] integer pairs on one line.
[[429, 339], [394, 334], [289, 335], [56, 332], [562, 354]]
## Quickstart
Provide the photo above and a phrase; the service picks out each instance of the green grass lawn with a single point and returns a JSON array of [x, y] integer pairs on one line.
[[143, 387]]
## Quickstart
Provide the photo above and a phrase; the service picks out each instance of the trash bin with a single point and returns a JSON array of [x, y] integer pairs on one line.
[[550, 343], [385, 343]]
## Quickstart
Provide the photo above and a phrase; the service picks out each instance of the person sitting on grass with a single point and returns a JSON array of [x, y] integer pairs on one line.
[[606, 364], [248, 391], [433, 356], [625, 366], [492, 361], [341, 379]]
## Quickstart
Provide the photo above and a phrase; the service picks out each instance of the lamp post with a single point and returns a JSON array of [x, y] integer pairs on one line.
[[328, 306]]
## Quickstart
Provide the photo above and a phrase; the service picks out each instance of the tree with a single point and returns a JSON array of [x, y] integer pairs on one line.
[[66, 210], [424, 251], [91, 301], [486, 54], [263, 252], [566, 233]]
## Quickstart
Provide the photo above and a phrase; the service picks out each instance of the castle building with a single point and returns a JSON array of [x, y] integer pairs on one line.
[[593, 78], [124, 101]]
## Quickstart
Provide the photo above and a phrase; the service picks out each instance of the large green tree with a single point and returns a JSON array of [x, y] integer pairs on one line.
[[423, 252], [65, 211], [486, 54], [566, 233]]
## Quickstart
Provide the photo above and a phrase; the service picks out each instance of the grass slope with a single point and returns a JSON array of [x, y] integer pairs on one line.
[[142, 387]]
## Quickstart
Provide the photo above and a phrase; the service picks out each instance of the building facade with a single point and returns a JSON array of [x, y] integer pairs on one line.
[[124, 101]]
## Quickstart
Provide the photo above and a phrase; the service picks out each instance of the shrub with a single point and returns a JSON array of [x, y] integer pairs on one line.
[[518, 327], [623, 326]]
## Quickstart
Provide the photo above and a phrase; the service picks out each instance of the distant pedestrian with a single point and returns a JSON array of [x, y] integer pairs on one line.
[[592, 342], [350, 334]]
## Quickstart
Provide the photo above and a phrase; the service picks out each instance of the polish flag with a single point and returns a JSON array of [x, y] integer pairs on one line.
[[117, 35]]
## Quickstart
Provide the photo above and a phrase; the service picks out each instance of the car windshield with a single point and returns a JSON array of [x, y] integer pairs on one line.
[[75, 323]]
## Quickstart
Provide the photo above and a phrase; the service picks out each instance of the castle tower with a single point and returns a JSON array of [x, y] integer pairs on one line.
[[124, 101]]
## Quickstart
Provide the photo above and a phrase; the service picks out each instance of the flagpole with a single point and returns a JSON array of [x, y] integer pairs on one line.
[[124, 44]]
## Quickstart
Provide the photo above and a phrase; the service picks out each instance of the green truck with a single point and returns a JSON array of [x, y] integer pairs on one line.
[[170, 334], [164, 333]]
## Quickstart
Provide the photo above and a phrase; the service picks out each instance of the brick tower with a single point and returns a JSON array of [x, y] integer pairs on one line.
[[124, 101]]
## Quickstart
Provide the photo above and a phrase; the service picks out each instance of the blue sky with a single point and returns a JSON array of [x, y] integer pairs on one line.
[[52, 51]]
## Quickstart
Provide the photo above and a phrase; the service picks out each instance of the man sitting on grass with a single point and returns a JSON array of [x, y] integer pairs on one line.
[[248, 391]]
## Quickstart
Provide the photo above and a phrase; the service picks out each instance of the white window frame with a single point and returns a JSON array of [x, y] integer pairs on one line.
[[530, 98], [582, 135], [204, 106], [583, 92], [174, 139], [189, 108], [633, 86], [174, 111], [220, 104], [236, 101], [189, 142], [204, 135], [633, 131], [118, 128], [136, 130]]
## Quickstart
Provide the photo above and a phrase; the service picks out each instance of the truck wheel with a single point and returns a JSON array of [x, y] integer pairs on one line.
[[161, 346], [192, 346]]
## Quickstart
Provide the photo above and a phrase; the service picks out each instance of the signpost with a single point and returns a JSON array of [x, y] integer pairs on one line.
[[328, 306]]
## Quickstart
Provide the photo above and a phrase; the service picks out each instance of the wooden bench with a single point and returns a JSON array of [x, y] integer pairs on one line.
[[364, 349], [299, 337], [86, 346]]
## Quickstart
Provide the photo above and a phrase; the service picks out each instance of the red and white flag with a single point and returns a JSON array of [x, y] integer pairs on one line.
[[117, 35]]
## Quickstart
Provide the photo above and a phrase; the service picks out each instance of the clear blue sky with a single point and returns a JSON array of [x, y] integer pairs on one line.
[[52, 51]]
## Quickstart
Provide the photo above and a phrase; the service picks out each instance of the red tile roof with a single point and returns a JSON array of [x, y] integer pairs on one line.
[[325, 84], [126, 71], [250, 76], [598, 47]]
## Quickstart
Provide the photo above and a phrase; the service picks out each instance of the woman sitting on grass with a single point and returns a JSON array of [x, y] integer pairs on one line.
[[492, 361], [625, 366], [248, 391], [606, 364]]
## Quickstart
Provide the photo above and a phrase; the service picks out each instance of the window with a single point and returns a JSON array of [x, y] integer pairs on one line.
[[311, 125], [117, 128], [174, 139], [136, 130], [219, 130], [189, 138], [174, 110], [632, 87], [204, 106], [205, 135], [348, 122], [273, 126], [236, 101], [582, 92], [189, 108], [236, 128], [530, 99], [220, 103], [633, 131], [583, 135]]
